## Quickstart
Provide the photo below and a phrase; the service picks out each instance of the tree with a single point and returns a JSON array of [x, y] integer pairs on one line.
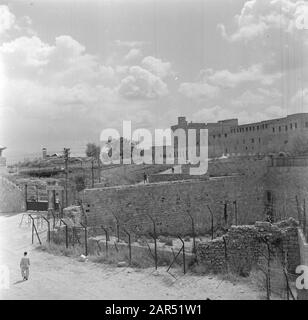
[[80, 183], [93, 151]]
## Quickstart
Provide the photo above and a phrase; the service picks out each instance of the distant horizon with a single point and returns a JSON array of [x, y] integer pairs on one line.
[[79, 151]]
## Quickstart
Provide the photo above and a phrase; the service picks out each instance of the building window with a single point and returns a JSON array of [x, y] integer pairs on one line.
[[286, 128], [273, 129], [246, 129], [291, 126], [295, 125], [225, 135], [253, 128], [259, 140], [306, 124], [266, 126], [279, 128], [257, 127], [249, 128], [252, 140], [214, 137]]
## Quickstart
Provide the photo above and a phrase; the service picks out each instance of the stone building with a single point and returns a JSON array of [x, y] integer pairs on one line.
[[227, 137]]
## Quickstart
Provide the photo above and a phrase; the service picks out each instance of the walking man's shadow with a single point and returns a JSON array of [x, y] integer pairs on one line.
[[19, 281]]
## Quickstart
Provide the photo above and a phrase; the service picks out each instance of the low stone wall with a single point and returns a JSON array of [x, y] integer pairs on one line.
[[174, 177], [242, 246]]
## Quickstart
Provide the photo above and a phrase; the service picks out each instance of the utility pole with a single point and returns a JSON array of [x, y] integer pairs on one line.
[[66, 156], [92, 171]]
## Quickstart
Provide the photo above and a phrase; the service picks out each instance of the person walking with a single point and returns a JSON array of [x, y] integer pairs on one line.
[[24, 266]]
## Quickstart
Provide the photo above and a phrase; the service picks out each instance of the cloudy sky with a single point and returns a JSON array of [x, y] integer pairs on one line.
[[69, 69]]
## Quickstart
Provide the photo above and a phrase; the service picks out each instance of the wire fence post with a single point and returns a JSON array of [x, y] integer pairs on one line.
[[107, 238], [193, 232], [66, 232], [212, 221], [117, 227], [48, 225], [34, 229], [85, 238], [155, 240], [183, 248], [129, 246]]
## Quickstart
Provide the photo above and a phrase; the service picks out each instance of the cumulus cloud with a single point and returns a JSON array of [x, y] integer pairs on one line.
[[26, 52], [256, 99], [141, 83], [7, 19], [211, 82], [133, 54], [198, 90], [157, 66], [260, 16], [254, 73]]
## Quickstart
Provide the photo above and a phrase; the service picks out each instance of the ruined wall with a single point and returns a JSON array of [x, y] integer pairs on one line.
[[241, 248], [169, 203]]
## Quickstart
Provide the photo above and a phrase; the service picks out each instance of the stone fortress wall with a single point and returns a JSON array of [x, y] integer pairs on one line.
[[270, 136]]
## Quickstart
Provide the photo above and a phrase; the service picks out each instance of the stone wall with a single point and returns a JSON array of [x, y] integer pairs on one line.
[[257, 188], [285, 183], [11, 197], [238, 165], [169, 203], [242, 246]]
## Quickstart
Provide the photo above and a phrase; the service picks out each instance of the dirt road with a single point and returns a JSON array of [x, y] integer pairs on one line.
[[55, 277]]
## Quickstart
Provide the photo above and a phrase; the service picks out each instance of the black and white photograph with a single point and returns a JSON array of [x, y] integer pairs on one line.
[[154, 152]]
